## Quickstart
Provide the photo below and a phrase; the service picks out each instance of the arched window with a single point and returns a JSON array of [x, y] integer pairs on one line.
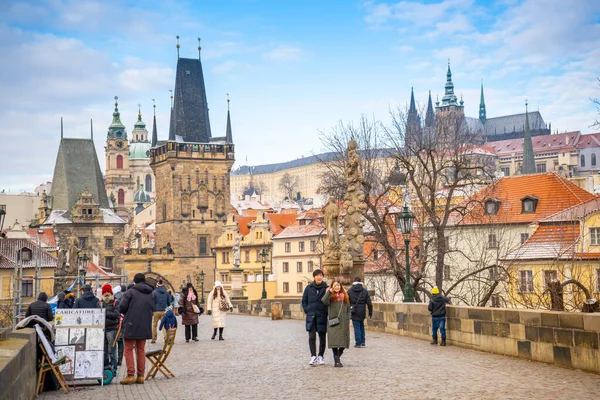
[[593, 159], [121, 196], [148, 183], [120, 162], [582, 160]]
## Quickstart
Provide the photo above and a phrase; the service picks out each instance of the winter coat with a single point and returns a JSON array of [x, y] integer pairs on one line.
[[339, 335], [189, 317], [168, 321], [219, 318], [112, 314], [137, 305], [315, 310], [437, 305], [87, 300], [360, 299], [161, 298], [41, 309], [67, 303]]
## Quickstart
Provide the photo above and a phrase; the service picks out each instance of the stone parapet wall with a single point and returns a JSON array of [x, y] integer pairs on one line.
[[18, 369], [561, 338]]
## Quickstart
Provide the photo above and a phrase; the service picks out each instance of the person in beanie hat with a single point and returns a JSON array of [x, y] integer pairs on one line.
[[316, 316], [111, 324], [137, 305], [437, 309], [161, 302]]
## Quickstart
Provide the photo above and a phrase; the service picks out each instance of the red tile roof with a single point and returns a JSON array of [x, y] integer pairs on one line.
[[278, 222], [549, 242], [541, 144], [47, 237], [243, 224], [8, 254], [296, 230], [589, 140]]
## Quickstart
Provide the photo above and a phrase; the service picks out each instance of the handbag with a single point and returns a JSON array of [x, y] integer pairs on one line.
[[196, 309], [223, 305], [336, 321], [353, 306]]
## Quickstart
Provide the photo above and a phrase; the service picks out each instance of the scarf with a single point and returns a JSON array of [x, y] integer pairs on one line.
[[334, 297], [191, 296]]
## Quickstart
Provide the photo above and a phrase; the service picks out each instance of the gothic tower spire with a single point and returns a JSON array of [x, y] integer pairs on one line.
[[528, 166], [154, 132], [449, 98], [116, 128], [429, 115], [482, 116], [228, 134], [413, 118]]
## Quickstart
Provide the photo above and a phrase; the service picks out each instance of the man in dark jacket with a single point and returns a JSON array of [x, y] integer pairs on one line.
[[40, 308], [437, 308], [137, 305], [316, 316], [162, 299], [111, 323], [359, 301], [87, 299]]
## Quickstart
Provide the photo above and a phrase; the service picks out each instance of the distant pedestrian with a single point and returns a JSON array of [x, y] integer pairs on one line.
[[137, 305], [359, 302], [162, 300], [168, 321], [41, 308], [338, 332], [189, 317], [316, 317], [87, 299], [60, 302], [111, 323], [120, 344], [437, 308], [217, 305], [69, 300]]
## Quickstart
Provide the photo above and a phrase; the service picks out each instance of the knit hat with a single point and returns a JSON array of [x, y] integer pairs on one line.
[[69, 295], [160, 282], [218, 283], [107, 289], [435, 290]]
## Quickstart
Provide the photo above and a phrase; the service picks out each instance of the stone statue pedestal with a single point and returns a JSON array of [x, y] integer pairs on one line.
[[237, 292], [332, 269]]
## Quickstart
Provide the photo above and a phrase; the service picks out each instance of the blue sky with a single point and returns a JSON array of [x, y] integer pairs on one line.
[[292, 69]]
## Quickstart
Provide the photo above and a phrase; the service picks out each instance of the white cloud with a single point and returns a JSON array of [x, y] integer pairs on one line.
[[284, 53]]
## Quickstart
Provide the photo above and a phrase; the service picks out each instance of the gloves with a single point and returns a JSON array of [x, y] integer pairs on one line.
[[230, 309], [209, 312]]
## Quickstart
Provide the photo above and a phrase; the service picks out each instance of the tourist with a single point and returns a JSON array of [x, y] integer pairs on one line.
[[316, 316], [120, 345], [69, 300], [168, 321], [87, 299], [189, 316], [217, 305], [41, 308], [338, 332], [161, 302], [437, 308], [60, 301], [111, 323], [137, 305], [359, 301]]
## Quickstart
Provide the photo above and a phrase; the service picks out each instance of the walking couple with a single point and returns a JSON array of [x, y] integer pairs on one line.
[[328, 313]]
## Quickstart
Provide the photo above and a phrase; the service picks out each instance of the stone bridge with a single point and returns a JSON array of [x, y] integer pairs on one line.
[[265, 359]]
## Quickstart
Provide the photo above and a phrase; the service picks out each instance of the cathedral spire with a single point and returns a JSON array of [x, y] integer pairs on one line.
[[449, 98], [228, 134], [116, 128], [413, 118], [429, 115], [172, 120], [482, 116], [528, 166], [154, 133]]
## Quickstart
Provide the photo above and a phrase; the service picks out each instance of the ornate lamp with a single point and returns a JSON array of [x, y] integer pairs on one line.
[[406, 222]]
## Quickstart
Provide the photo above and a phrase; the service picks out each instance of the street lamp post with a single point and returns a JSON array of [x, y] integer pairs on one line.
[[214, 254], [406, 221], [264, 254], [2, 217], [83, 264], [202, 274]]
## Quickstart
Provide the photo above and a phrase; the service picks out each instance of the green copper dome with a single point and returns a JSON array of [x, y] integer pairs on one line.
[[139, 150], [116, 128], [139, 124], [141, 196]]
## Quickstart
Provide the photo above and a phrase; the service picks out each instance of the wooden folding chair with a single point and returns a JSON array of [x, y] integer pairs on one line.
[[47, 365], [159, 357]]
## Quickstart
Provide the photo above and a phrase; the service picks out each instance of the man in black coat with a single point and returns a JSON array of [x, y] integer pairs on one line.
[[359, 301], [40, 308], [137, 305], [87, 299], [316, 316]]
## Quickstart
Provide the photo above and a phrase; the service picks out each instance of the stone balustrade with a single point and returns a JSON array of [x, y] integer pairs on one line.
[[18, 369]]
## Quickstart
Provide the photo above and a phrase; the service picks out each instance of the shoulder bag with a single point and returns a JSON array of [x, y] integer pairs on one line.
[[353, 306], [223, 305], [336, 321]]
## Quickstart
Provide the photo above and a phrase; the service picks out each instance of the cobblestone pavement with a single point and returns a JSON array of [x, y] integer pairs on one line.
[[264, 359]]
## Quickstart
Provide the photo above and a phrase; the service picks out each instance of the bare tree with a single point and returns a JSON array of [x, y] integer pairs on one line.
[[288, 184], [596, 101], [259, 187]]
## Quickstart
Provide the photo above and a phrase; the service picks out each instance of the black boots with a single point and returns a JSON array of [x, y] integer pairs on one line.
[[221, 334], [337, 353], [214, 334], [434, 341], [443, 342]]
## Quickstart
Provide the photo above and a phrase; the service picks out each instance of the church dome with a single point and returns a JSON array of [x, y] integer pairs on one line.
[[141, 196], [139, 150]]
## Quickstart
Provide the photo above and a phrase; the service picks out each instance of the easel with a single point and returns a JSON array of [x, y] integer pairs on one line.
[[48, 365]]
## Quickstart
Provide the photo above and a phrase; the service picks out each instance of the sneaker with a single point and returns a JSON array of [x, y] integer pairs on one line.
[[363, 345], [321, 360], [313, 361], [153, 341]]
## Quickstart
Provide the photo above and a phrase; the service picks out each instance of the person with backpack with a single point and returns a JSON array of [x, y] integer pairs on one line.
[[162, 300], [111, 324], [359, 302]]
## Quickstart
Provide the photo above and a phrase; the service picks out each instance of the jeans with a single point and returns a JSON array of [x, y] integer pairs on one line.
[[191, 331], [111, 350], [359, 332], [140, 356], [438, 322], [156, 317], [312, 341]]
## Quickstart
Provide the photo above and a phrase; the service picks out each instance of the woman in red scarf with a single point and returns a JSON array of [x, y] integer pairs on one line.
[[338, 332]]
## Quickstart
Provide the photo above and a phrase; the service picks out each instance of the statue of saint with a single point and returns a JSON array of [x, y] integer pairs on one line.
[[237, 258], [73, 258], [331, 214]]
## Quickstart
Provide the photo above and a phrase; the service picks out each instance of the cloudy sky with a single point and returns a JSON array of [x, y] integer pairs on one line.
[[291, 68]]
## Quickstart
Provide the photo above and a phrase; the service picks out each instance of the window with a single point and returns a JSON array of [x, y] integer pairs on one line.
[[120, 162], [446, 272], [259, 235], [121, 197], [310, 266], [492, 241], [82, 242], [495, 300], [582, 160], [491, 207], [258, 258], [245, 277], [524, 237], [225, 257], [595, 236], [164, 212], [301, 247], [247, 256], [528, 204], [593, 160], [224, 277], [313, 245], [288, 247], [299, 287], [27, 288], [286, 287], [286, 267], [108, 263], [540, 168], [505, 171], [203, 245], [598, 280], [148, 183], [549, 276], [526, 282], [108, 243], [299, 266]]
